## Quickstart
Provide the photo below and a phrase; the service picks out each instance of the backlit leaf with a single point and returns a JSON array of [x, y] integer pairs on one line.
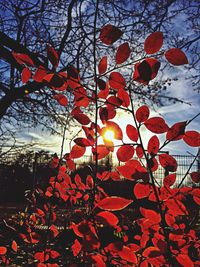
[[176, 57], [142, 113], [123, 53], [90, 182], [54, 230], [102, 67], [184, 260], [52, 56], [192, 138], [127, 254], [77, 151], [169, 180], [124, 96], [132, 132], [141, 190], [125, 152], [23, 59], [176, 132], [139, 152], [113, 203], [146, 70], [153, 145], [107, 113], [14, 246], [153, 42], [82, 142], [117, 81], [40, 73], [26, 75], [151, 252], [156, 125], [110, 34], [114, 101], [62, 99], [195, 176], [168, 162], [108, 217], [152, 215], [82, 118], [3, 250], [102, 152]]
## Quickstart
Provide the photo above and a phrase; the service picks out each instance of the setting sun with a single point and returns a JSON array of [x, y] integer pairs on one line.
[[109, 135]]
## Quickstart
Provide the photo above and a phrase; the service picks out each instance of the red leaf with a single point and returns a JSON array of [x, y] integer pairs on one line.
[[41, 256], [152, 215], [152, 252], [144, 264], [114, 101], [110, 34], [153, 145], [117, 81], [52, 56], [113, 203], [141, 190], [106, 113], [54, 230], [26, 75], [102, 67], [3, 250], [153, 164], [62, 99], [110, 125], [195, 176], [23, 59], [77, 151], [14, 246], [124, 96], [82, 118], [153, 42], [132, 132], [90, 182], [142, 113], [139, 152], [123, 53], [39, 74], [176, 57], [127, 254], [54, 255], [146, 70], [104, 93], [108, 217], [168, 162], [126, 171], [125, 152], [102, 151], [98, 260], [184, 260], [169, 180], [192, 138], [176, 207], [82, 142], [156, 125], [176, 132]]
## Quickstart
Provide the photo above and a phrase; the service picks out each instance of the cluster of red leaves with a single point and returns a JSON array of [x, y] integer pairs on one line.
[[164, 235]]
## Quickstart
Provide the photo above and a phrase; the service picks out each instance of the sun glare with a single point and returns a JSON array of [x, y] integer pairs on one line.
[[109, 135]]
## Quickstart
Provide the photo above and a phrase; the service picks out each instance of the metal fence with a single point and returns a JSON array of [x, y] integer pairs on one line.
[[34, 160], [183, 162]]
